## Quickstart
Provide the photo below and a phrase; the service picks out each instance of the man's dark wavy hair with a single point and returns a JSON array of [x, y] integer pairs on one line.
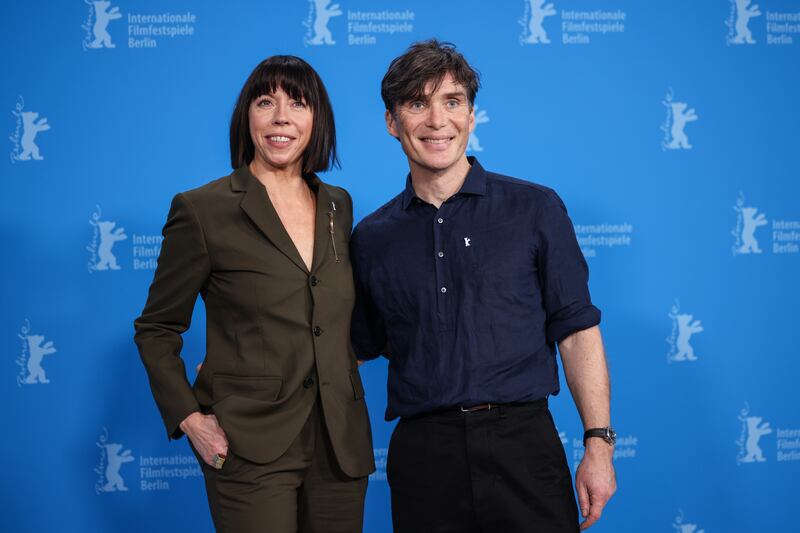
[[424, 62]]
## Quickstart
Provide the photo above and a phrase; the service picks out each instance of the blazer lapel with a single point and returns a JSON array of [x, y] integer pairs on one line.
[[322, 232], [259, 209]]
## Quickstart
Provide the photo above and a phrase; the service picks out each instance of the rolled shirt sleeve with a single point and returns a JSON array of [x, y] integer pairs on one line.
[[563, 274]]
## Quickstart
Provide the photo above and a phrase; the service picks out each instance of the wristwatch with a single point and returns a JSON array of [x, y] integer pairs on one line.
[[606, 433]]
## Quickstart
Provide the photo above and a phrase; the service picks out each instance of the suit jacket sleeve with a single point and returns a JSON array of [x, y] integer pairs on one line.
[[183, 268]]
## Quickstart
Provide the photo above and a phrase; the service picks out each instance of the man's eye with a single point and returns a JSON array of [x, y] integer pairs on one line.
[[453, 104], [417, 105]]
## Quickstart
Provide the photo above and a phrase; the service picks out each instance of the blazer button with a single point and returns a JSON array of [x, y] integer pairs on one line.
[[317, 331], [314, 281], [308, 383]]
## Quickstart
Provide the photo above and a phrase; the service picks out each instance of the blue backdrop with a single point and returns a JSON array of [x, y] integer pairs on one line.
[[669, 128]]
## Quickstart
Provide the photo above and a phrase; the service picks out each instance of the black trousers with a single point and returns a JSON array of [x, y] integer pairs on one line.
[[497, 471]]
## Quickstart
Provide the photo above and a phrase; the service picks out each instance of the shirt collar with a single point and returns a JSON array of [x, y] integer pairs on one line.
[[474, 183]]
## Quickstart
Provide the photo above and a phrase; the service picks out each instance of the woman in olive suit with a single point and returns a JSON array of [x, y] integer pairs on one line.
[[276, 416]]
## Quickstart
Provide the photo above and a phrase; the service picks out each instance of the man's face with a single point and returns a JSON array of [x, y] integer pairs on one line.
[[434, 130]]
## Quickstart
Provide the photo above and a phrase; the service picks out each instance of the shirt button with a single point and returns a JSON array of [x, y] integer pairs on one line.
[[441, 254], [440, 220], [314, 281], [308, 383], [444, 290], [317, 331]]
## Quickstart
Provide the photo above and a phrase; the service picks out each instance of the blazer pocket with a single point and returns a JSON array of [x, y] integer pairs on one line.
[[264, 388], [358, 388]]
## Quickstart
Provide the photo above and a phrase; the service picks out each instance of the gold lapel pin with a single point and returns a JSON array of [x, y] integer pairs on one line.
[[330, 226]]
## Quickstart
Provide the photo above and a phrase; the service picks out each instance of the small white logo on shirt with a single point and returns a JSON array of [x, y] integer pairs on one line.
[[466, 241]]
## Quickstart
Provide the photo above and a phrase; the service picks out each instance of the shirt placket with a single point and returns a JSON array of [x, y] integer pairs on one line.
[[441, 226]]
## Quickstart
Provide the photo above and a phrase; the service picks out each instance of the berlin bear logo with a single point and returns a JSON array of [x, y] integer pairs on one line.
[[751, 222], [115, 460], [102, 16], [753, 428], [744, 12], [112, 457], [535, 13], [681, 527], [36, 352], [474, 144], [683, 327], [748, 220], [678, 116], [323, 12], [34, 348], [108, 236], [31, 127]]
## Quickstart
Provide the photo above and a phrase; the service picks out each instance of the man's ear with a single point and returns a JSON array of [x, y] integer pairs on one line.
[[391, 124], [471, 118]]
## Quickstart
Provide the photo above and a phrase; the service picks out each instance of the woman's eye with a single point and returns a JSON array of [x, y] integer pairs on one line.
[[299, 105], [264, 103]]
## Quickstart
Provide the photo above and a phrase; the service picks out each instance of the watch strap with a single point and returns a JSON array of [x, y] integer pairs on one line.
[[606, 433]]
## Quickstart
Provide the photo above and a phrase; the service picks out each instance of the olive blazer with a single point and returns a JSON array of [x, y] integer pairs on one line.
[[277, 334]]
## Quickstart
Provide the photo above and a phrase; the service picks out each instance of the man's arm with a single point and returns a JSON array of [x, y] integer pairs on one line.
[[585, 368], [367, 330]]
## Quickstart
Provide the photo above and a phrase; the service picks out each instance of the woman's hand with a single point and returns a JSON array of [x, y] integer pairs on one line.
[[206, 435]]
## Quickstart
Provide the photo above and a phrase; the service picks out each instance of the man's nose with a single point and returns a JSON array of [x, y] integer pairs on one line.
[[435, 117]]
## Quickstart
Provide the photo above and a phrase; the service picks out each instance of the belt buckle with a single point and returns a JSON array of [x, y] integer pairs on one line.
[[481, 407]]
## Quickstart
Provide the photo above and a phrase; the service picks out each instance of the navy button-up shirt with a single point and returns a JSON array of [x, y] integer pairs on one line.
[[469, 300]]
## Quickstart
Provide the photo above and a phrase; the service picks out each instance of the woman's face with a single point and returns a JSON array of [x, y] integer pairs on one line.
[[280, 128]]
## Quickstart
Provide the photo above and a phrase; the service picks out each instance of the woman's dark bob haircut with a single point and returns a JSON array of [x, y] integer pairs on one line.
[[427, 62], [300, 82]]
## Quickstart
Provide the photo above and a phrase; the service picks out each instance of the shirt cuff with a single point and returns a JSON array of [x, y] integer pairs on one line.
[[573, 318]]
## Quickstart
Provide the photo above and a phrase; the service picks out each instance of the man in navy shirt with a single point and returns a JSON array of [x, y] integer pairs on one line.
[[467, 281]]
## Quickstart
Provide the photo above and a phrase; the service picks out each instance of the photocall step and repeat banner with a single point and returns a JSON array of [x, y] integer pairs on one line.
[[670, 129]]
